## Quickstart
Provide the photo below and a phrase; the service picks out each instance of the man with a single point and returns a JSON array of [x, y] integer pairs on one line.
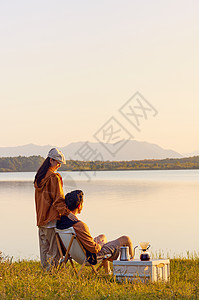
[[99, 245]]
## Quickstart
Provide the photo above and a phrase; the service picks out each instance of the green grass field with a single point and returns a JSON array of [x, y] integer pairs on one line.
[[26, 280]]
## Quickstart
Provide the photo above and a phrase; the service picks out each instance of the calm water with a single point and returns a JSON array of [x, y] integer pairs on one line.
[[157, 206]]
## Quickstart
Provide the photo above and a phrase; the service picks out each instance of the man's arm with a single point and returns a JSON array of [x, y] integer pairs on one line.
[[85, 237]]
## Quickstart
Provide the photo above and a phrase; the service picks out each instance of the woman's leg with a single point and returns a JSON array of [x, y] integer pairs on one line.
[[44, 246], [49, 253], [53, 255]]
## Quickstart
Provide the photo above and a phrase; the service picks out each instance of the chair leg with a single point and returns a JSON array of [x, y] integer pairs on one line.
[[81, 269], [72, 264], [67, 256], [94, 269], [60, 251], [58, 245], [83, 265], [69, 246]]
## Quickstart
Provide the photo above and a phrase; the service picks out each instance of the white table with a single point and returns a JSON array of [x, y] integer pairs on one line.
[[154, 270]]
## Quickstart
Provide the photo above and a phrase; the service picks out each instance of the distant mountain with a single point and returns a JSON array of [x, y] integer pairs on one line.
[[25, 150], [130, 150], [191, 154]]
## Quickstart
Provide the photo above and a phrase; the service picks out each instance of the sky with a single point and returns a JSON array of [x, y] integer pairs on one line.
[[68, 67]]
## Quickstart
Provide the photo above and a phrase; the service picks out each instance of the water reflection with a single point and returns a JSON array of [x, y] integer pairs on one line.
[[165, 212], [17, 220]]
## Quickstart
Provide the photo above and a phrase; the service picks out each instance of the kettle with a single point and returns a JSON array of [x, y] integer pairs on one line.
[[124, 256]]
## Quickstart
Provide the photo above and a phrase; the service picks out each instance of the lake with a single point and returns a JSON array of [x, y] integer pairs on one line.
[[161, 207]]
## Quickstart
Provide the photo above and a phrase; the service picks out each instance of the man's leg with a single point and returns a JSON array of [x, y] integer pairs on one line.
[[113, 247], [126, 241], [101, 239], [106, 266]]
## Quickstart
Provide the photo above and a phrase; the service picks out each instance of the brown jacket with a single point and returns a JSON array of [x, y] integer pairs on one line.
[[49, 199], [85, 237]]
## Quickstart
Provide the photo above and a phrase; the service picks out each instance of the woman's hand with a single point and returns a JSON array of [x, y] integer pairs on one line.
[[72, 217]]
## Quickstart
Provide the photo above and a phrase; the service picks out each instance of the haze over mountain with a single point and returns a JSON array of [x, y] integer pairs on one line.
[[190, 154], [127, 150]]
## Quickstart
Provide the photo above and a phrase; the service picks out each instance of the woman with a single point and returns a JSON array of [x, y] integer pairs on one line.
[[50, 206]]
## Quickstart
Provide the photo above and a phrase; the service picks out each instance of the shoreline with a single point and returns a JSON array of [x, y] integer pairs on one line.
[[108, 170]]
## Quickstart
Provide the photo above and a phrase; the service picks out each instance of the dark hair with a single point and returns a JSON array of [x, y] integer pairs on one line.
[[42, 171], [74, 199]]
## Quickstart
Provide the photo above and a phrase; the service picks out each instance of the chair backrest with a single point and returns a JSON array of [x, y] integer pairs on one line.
[[76, 251]]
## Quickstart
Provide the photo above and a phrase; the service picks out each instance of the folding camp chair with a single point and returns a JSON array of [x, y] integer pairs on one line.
[[74, 250]]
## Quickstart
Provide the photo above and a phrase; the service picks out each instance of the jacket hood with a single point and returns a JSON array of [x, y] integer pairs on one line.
[[44, 180]]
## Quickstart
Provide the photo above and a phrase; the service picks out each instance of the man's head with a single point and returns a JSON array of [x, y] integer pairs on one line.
[[74, 200]]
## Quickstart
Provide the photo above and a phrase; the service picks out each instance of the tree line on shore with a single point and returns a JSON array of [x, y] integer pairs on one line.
[[32, 163]]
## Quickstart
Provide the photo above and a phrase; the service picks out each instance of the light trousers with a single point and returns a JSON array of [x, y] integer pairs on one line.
[[49, 253]]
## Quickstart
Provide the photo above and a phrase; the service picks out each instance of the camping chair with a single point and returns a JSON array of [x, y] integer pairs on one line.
[[68, 241]]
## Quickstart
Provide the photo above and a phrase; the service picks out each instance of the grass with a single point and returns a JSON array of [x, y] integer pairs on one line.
[[26, 280]]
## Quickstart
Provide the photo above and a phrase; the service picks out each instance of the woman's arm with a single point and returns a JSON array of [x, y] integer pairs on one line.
[[59, 198]]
